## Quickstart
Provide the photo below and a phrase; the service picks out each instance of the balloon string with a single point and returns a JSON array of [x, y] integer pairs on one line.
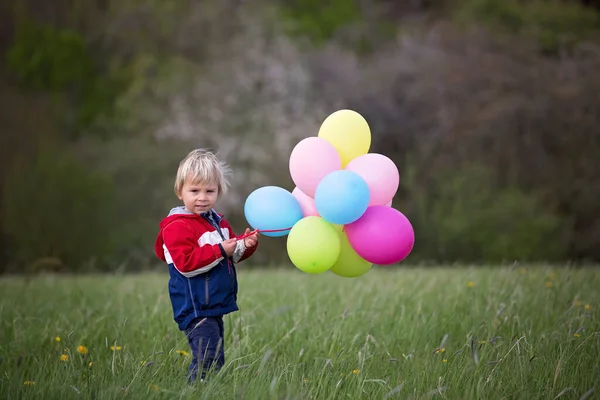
[[268, 230], [261, 230]]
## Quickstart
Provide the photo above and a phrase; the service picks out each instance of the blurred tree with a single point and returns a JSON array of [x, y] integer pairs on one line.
[[555, 25], [459, 215], [162, 77], [49, 59], [70, 64], [591, 3], [54, 207], [52, 88], [458, 97], [25, 121], [359, 25], [318, 20]]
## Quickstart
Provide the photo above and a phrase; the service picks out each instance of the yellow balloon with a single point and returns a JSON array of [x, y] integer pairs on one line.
[[348, 132], [349, 264], [313, 245]]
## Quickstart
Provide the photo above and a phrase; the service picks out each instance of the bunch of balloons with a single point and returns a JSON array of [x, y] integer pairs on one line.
[[339, 217]]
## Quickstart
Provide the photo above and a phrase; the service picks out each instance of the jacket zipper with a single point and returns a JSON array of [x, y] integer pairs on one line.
[[218, 229], [206, 289]]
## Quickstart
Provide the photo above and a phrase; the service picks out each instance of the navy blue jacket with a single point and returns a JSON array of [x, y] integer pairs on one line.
[[203, 280]]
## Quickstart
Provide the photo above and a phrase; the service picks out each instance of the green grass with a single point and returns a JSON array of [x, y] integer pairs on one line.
[[406, 333]]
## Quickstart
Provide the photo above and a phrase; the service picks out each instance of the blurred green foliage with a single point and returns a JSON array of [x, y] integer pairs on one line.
[[107, 199], [460, 215], [45, 58], [552, 24], [54, 206], [320, 20]]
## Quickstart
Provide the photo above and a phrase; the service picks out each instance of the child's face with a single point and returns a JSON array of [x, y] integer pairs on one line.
[[198, 197]]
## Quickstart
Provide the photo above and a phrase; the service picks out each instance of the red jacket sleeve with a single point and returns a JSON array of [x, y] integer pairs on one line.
[[241, 251], [185, 253]]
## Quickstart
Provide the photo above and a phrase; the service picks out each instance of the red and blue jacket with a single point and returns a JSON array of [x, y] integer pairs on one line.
[[203, 280]]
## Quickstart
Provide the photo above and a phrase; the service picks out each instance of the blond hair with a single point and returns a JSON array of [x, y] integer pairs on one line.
[[202, 166]]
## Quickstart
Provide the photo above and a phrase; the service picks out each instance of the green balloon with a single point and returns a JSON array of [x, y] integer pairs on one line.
[[338, 228], [349, 264], [313, 245]]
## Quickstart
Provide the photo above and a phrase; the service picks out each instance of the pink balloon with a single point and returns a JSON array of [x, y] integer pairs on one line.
[[310, 161], [383, 235], [307, 204], [381, 175]]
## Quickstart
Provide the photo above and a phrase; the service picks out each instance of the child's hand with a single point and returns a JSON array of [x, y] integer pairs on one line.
[[229, 246], [251, 240]]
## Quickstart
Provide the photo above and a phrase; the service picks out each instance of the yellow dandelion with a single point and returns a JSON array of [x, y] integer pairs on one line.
[[356, 371], [64, 357], [182, 352], [90, 364], [29, 383], [56, 339], [440, 350], [587, 307], [470, 284], [577, 334], [549, 284], [153, 387], [82, 349], [444, 361], [115, 348]]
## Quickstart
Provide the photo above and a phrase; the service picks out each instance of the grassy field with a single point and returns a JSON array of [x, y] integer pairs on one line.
[[457, 333]]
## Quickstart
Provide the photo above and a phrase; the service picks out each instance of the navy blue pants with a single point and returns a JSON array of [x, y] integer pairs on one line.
[[206, 338]]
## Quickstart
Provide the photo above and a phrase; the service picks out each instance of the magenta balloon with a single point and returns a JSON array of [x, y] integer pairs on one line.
[[311, 160], [307, 204], [381, 175], [383, 235]]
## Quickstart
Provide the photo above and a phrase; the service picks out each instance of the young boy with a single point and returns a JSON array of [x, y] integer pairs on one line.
[[201, 250]]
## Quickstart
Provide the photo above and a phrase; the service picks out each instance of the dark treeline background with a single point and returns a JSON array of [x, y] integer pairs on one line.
[[490, 109]]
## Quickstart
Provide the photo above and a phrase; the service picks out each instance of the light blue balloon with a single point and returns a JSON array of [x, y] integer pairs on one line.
[[272, 207], [342, 197]]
